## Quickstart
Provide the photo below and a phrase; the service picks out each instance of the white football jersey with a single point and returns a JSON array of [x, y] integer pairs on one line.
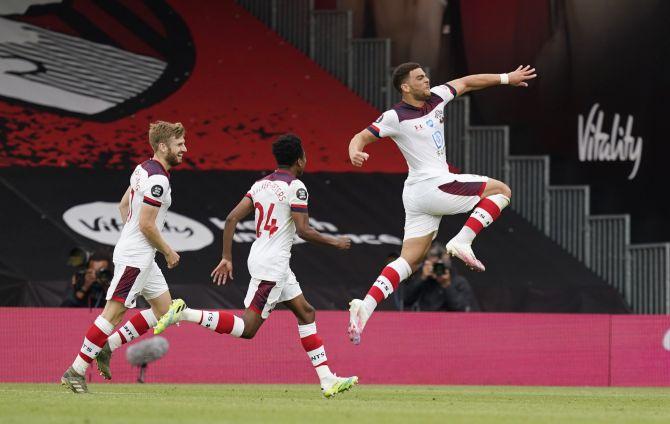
[[149, 184], [419, 133], [274, 198]]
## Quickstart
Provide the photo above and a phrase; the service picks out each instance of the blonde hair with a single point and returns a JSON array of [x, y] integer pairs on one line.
[[162, 132]]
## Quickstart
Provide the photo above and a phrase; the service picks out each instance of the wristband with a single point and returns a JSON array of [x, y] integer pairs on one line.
[[504, 79]]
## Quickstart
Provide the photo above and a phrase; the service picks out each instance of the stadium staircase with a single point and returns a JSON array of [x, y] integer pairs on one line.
[[640, 272]]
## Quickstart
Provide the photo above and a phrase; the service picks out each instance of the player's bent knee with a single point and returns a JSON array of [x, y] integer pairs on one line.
[[308, 315], [249, 332], [252, 322], [506, 191], [497, 187], [309, 310]]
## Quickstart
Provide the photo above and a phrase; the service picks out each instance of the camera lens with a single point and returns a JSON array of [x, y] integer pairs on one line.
[[438, 268], [104, 276]]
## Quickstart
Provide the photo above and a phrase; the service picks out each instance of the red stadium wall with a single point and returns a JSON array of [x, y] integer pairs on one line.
[[398, 348]]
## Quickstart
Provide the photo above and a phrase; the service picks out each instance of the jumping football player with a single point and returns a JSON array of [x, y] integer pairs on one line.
[[416, 124]]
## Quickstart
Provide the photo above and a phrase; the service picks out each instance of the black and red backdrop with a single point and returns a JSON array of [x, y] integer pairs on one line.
[[599, 107], [72, 136]]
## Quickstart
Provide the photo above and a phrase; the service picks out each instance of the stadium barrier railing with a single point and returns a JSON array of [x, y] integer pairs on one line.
[[489, 147], [650, 278], [569, 208], [371, 66], [330, 46], [289, 18], [529, 177], [609, 243]]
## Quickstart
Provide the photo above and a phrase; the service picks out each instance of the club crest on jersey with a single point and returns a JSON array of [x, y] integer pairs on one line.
[[302, 194], [156, 191], [439, 114], [430, 123]]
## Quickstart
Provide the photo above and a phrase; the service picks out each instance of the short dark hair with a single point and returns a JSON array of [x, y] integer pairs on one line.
[[100, 255], [287, 149], [401, 72]]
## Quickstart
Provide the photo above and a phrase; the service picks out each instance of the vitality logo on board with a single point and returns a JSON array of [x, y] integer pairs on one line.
[[100, 221], [595, 145]]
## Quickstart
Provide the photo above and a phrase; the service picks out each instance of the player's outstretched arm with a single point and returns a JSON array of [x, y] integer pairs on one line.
[[516, 78], [149, 229], [308, 233], [124, 205], [356, 146], [224, 269]]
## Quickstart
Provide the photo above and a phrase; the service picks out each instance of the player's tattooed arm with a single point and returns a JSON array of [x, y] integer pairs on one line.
[[224, 269], [149, 229], [356, 146], [308, 233], [516, 78], [124, 205]]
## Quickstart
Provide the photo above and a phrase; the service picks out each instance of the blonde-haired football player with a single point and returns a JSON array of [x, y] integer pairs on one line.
[[143, 210]]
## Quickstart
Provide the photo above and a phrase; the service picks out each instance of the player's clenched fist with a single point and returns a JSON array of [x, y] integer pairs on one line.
[[357, 158], [172, 259], [343, 243]]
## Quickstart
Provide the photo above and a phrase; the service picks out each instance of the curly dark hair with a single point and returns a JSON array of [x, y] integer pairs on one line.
[[287, 149]]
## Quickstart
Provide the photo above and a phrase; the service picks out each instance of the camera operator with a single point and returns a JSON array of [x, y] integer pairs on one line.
[[436, 287], [90, 282]]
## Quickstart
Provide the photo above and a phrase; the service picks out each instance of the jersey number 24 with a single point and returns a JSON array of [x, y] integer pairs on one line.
[[270, 223]]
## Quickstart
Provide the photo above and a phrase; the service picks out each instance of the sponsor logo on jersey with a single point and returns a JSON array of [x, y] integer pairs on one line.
[[157, 191], [439, 115], [100, 221]]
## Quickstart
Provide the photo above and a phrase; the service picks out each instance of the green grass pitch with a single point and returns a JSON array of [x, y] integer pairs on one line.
[[187, 403]]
